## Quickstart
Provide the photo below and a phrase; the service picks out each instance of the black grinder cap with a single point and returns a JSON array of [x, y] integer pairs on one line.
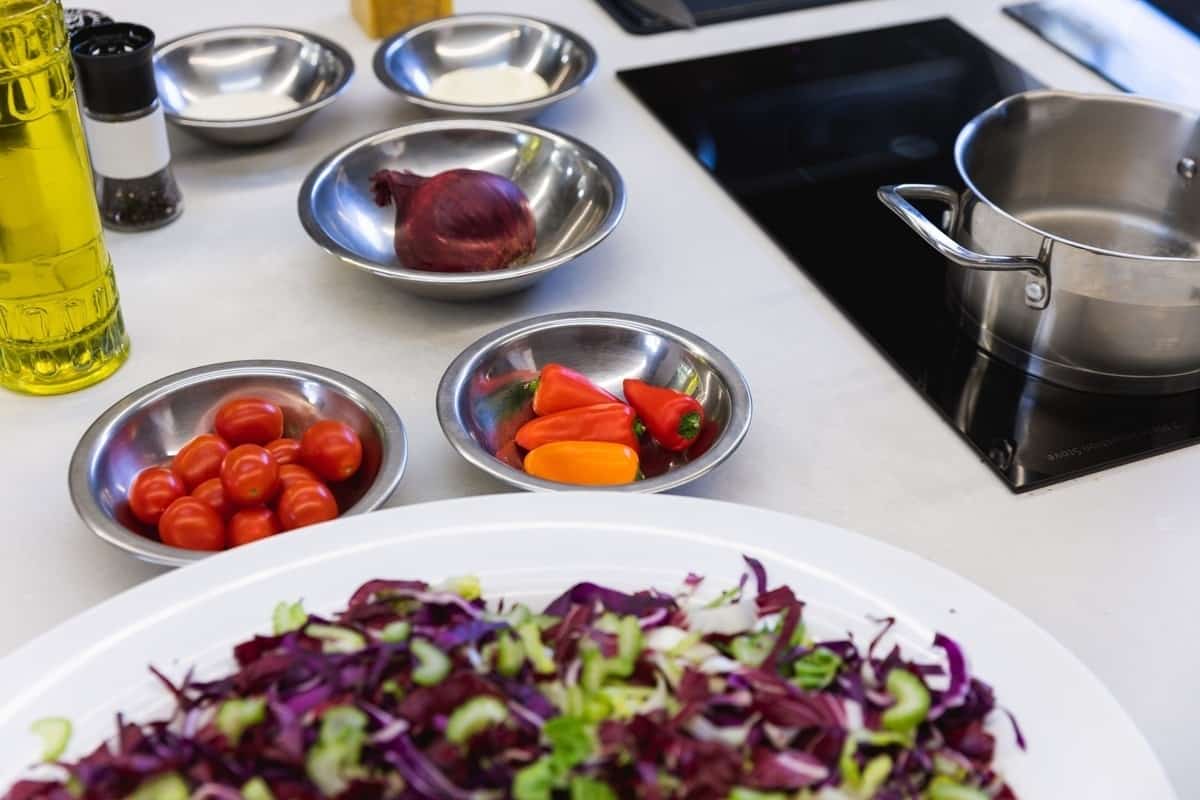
[[115, 63]]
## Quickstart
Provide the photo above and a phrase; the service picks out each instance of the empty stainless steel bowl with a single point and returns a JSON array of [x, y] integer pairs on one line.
[[248, 85], [149, 426], [411, 61], [484, 397], [576, 194]]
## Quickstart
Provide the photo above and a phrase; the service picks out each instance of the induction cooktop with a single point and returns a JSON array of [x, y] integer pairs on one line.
[[808, 131], [1185, 12], [636, 19], [1150, 49]]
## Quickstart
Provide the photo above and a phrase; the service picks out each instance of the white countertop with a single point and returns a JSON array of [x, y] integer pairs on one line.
[[1104, 563]]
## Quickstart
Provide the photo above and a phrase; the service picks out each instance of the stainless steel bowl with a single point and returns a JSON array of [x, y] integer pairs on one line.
[[577, 196], [278, 66], [410, 62], [149, 426], [483, 396]]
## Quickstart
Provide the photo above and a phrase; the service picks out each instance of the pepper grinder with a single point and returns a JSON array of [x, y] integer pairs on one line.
[[126, 129]]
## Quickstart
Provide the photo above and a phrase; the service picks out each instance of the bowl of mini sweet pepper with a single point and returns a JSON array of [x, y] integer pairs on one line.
[[594, 400]]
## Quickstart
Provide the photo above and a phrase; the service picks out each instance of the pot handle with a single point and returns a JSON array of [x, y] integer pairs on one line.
[[896, 198]]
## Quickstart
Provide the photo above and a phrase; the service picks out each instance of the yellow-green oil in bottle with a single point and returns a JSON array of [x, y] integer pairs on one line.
[[60, 320]]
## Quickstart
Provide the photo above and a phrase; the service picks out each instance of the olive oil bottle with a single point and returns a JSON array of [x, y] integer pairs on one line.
[[60, 320]]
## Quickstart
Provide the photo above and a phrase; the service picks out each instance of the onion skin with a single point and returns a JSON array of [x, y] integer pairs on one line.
[[462, 220]]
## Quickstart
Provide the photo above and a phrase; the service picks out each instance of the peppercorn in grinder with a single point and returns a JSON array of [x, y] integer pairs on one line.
[[126, 129]]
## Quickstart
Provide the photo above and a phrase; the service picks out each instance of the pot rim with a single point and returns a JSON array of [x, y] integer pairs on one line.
[[970, 130]]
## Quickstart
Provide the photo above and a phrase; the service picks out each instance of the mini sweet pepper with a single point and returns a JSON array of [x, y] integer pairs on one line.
[[605, 422], [673, 418]]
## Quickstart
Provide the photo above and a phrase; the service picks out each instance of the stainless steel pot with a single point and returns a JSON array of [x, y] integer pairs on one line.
[[1077, 238]]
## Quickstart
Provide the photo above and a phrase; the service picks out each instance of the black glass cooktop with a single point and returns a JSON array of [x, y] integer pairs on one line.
[[636, 19], [802, 135], [1185, 12]]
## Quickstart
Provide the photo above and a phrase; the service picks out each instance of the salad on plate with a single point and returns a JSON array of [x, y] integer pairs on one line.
[[419, 691]]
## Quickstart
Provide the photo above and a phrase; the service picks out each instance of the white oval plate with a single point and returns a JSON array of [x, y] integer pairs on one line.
[[1081, 744]]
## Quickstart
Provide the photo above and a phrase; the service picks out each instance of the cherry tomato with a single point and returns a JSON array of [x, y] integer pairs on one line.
[[251, 524], [306, 503], [152, 491], [284, 451], [200, 459], [249, 475], [332, 450], [294, 473], [191, 523], [249, 420], [213, 493]]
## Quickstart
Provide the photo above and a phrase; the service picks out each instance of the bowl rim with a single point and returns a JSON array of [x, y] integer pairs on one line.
[[390, 45], [310, 107], [458, 373], [321, 237], [391, 468]]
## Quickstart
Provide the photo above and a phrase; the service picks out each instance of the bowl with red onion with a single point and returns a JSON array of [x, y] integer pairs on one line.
[[462, 209]]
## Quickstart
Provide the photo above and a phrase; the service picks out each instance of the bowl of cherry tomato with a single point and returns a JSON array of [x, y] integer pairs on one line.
[[222, 456], [594, 400]]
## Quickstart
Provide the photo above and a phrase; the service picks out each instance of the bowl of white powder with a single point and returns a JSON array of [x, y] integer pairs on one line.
[[248, 85], [497, 66]]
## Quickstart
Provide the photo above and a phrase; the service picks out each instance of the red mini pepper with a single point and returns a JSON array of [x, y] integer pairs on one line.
[[561, 389], [606, 422], [673, 418]]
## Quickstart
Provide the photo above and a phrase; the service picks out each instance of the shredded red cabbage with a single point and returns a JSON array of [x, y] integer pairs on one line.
[[423, 692]]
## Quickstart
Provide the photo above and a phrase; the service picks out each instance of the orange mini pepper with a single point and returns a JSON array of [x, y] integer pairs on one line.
[[561, 389], [584, 463], [605, 422]]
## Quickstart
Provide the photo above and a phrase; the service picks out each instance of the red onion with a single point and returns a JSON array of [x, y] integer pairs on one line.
[[462, 220]]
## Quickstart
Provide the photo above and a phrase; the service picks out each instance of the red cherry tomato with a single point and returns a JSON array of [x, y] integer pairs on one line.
[[284, 451], [249, 420], [191, 523], [294, 473], [251, 524], [306, 503], [249, 475], [332, 450], [200, 459], [152, 491], [213, 493]]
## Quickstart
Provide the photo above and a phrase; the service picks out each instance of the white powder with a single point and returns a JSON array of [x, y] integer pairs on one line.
[[489, 86], [243, 105]]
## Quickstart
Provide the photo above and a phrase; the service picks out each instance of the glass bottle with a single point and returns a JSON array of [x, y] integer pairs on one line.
[[126, 129], [60, 320]]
